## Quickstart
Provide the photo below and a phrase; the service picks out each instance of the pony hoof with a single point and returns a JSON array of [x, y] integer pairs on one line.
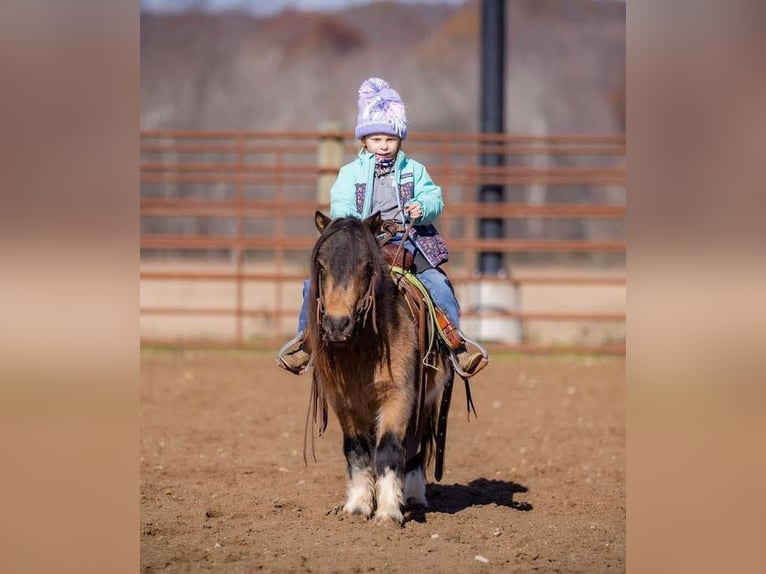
[[358, 510], [395, 517], [415, 488], [417, 503]]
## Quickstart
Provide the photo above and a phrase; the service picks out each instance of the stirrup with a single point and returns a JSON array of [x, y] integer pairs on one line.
[[296, 342], [482, 363]]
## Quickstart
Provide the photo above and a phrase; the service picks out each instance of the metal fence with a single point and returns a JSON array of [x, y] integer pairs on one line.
[[236, 210]]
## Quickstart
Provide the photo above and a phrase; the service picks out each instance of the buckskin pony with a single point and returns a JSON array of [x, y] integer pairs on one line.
[[368, 366]]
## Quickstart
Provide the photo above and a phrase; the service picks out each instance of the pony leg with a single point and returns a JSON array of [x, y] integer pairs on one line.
[[389, 468], [415, 482], [394, 414], [361, 480]]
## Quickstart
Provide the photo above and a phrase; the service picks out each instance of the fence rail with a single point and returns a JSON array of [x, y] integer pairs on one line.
[[250, 194]]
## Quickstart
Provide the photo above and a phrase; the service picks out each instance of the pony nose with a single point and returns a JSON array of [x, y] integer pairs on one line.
[[337, 328]]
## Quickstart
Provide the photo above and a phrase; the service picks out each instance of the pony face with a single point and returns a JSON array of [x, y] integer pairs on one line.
[[344, 273], [345, 270]]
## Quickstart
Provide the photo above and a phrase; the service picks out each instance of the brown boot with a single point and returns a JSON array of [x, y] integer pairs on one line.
[[469, 363], [294, 355]]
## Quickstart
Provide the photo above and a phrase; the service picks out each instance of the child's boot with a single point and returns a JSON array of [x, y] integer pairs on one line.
[[470, 363], [466, 364], [294, 356]]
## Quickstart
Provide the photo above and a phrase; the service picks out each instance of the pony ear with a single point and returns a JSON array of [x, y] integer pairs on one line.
[[321, 221], [373, 222]]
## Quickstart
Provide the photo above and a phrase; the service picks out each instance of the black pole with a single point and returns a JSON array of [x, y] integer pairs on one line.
[[492, 122]]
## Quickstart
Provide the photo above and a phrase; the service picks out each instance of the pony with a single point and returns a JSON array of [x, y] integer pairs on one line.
[[367, 364]]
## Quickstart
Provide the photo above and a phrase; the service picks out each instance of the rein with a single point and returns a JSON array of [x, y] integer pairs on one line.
[[407, 230], [389, 228], [368, 304]]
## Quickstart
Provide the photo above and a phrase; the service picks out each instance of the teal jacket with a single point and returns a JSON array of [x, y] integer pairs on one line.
[[351, 196]]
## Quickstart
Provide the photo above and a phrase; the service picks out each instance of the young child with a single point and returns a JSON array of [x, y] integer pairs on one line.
[[382, 178]]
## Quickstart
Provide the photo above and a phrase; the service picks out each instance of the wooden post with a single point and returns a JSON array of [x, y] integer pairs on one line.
[[329, 160], [240, 247]]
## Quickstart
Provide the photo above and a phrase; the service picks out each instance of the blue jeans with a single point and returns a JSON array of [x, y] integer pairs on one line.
[[434, 279], [440, 288]]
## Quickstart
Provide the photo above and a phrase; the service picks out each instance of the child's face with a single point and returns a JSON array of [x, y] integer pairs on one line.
[[382, 145]]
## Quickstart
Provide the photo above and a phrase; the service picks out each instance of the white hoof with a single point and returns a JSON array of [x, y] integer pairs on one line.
[[358, 509], [359, 495], [386, 517], [389, 497]]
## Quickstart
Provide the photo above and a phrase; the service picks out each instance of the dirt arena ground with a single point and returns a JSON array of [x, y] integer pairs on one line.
[[536, 483]]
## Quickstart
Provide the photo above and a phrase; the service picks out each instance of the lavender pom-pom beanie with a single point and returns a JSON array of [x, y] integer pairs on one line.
[[381, 110]]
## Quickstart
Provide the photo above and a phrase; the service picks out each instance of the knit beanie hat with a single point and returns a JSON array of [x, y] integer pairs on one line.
[[381, 110]]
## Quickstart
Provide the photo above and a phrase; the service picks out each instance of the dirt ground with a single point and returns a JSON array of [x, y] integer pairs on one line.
[[536, 483]]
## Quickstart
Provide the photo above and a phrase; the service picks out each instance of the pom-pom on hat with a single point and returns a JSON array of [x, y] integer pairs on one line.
[[381, 110]]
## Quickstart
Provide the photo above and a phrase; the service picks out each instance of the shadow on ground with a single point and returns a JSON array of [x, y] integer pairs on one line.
[[452, 498]]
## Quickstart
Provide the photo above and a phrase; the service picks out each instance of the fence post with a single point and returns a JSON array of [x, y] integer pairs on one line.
[[240, 248], [494, 297], [329, 159]]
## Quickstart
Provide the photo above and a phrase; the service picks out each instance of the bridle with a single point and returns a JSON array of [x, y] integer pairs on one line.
[[364, 306]]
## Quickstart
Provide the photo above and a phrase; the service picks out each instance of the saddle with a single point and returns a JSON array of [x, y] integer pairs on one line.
[[397, 257]]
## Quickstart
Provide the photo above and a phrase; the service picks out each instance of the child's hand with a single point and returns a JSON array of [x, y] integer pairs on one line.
[[413, 210]]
